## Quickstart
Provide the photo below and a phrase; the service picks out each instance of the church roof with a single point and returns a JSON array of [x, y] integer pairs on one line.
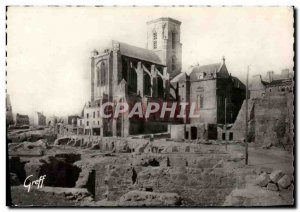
[[139, 53]]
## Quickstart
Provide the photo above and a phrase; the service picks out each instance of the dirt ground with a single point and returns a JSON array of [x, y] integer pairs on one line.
[[273, 158]]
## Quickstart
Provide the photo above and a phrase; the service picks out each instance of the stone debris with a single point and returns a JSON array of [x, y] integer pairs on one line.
[[28, 148], [95, 146], [284, 182], [144, 198], [267, 146], [263, 180], [161, 173], [236, 157], [275, 181], [272, 187], [276, 175]]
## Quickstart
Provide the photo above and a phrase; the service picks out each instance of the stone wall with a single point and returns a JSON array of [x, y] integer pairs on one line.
[[270, 120], [206, 89], [196, 186]]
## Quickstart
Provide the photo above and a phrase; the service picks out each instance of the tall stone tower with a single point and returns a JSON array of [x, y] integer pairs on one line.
[[163, 37]]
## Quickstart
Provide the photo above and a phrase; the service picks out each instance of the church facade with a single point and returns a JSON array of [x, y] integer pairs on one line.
[[129, 74]]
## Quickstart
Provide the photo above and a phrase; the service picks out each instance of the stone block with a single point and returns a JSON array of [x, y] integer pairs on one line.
[[276, 175], [272, 187], [262, 180], [284, 182]]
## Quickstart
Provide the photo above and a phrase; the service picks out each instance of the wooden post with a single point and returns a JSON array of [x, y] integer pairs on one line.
[[246, 130], [225, 123]]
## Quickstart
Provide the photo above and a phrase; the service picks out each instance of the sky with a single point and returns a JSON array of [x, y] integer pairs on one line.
[[49, 48]]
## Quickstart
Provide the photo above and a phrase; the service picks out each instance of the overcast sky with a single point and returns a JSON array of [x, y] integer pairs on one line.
[[48, 48]]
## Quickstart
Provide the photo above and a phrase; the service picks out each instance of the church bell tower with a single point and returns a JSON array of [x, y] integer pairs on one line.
[[163, 38]]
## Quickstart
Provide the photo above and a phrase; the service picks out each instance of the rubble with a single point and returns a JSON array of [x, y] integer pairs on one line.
[[28, 148], [276, 175], [284, 182], [272, 187], [267, 146], [263, 180], [161, 173], [275, 181], [237, 157], [144, 198]]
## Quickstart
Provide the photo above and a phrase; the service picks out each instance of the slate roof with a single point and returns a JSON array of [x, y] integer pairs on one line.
[[280, 82], [238, 83], [208, 69], [22, 116], [178, 77], [139, 53]]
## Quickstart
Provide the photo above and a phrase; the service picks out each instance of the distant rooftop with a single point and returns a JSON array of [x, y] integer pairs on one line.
[[164, 19]]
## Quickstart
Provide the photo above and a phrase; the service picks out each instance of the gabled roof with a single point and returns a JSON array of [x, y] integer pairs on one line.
[[178, 77], [280, 82], [139, 53], [22, 116], [238, 83], [209, 70]]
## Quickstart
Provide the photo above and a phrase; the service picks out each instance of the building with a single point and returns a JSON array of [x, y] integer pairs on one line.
[[39, 119], [52, 121], [22, 119], [272, 84], [72, 120], [130, 74], [9, 113], [213, 89], [270, 111], [210, 87]]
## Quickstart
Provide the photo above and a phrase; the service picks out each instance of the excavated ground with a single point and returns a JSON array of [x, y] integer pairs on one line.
[[135, 172]]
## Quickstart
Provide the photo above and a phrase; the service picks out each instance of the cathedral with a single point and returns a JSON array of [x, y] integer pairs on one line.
[[130, 74]]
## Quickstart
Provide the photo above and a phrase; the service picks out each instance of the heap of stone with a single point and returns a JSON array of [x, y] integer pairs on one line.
[[144, 198], [28, 148], [275, 181]]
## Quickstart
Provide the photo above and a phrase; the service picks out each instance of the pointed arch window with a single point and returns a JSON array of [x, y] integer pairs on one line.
[[154, 40]]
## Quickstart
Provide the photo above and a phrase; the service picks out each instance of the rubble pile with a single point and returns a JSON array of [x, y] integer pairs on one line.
[[275, 181], [28, 148], [31, 135], [144, 198]]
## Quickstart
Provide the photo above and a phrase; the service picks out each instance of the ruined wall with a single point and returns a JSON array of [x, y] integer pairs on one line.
[[269, 120], [196, 186]]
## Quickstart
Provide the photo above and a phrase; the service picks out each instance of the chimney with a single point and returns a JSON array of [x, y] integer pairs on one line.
[[285, 73], [270, 76]]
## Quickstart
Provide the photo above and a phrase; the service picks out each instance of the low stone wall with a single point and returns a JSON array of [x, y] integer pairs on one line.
[[49, 196], [195, 186], [188, 175]]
